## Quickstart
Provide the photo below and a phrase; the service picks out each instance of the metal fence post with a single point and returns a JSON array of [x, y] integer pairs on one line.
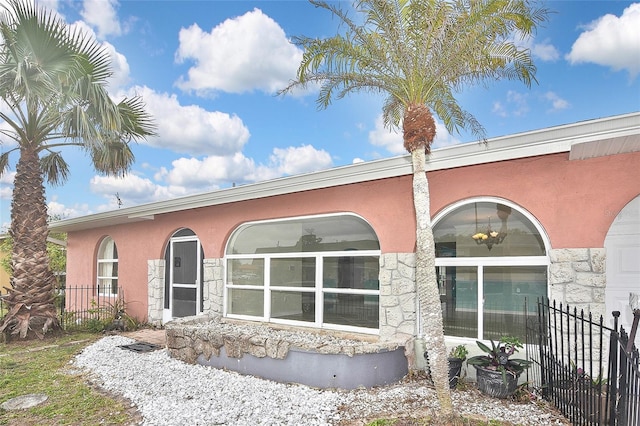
[[613, 370]]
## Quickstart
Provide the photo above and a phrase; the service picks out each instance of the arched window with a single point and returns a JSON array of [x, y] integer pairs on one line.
[[317, 271], [107, 267], [491, 258]]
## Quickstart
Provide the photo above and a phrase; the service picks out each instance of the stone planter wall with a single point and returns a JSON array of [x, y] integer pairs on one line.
[[286, 354]]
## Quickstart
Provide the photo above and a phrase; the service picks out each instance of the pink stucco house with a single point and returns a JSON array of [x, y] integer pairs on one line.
[[334, 250]]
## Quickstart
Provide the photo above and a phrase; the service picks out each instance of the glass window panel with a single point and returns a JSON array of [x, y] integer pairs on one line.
[[293, 272], [108, 285], [359, 272], [185, 262], [245, 302], [459, 300], [486, 229], [293, 305], [108, 249], [352, 309], [505, 290], [184, 302], [107, 269], [330, 233], [245, 272]]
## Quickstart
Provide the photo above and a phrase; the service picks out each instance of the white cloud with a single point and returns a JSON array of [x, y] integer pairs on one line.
[[210, 171], [297, 160], [132, 190], [250, 52], [557, 103], [499, 109], [611, 41], [545, 51], [515, 105], [391, 140], [56, 209], [219, 170], [192, 175], [191, 129], [101, 14], [120, 67], [7, 177], [6, 192]]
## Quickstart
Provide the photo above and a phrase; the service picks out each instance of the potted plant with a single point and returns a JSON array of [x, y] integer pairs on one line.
[[496, 372], [457, 356]]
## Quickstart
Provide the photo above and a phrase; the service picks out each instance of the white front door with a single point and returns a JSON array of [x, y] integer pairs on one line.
[[623, 264], [184, 278]]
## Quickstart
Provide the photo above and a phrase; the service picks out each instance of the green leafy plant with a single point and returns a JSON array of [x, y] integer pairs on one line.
[[459, 351], [582, 376], [498, 357]]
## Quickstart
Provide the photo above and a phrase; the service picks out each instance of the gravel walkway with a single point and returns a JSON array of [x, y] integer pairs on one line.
[[169, 392]]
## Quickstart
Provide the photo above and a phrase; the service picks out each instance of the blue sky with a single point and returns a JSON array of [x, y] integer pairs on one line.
[[209, 70]]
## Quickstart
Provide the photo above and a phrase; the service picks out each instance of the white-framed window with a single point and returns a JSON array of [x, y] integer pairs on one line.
[[492, 266], [319, 271], [107, 281]]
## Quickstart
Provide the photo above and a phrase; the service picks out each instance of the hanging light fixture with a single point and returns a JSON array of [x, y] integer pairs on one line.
[[491, 237]]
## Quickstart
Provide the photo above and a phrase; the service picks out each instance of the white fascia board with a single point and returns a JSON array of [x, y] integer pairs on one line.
[[529, 144]]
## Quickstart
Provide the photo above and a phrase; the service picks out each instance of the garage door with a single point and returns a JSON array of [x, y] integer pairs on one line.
[[623, 263]]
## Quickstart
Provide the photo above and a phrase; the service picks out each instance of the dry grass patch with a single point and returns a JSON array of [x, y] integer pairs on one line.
[[41, 366]]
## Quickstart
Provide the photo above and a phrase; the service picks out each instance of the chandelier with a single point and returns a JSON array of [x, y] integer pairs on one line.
[[491, 237]]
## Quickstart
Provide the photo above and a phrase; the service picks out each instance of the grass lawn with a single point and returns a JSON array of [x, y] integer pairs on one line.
[[38, 366]]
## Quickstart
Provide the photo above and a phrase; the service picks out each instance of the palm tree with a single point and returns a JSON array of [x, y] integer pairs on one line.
[[418, 54], [53, 88]]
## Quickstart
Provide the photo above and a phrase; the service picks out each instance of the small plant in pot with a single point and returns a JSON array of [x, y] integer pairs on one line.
[[457, 356], [496, 372]]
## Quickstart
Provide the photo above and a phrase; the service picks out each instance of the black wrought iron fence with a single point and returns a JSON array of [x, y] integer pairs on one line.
[[587, 370], [89, 307], [625, 368], [85, 308]]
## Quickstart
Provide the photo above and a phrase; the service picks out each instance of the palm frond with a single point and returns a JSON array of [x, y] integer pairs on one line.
[[113, 158], [4, 162], [137, 123], [420, 52], [54, 168]]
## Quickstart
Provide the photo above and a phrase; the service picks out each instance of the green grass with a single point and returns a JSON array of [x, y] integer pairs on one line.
[[41, 366]]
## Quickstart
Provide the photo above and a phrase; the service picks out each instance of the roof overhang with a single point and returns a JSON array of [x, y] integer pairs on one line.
[[605, 136]]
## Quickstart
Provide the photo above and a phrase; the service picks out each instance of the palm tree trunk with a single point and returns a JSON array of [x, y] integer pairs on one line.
[[427, 285], [31, 298]]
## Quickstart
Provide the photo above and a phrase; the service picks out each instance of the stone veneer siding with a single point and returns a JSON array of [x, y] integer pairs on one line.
[[155, 278], [397, 296], [577, 277], [397, 293], [213, 293]]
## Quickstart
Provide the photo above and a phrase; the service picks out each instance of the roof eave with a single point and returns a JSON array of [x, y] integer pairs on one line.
[[529, 144]]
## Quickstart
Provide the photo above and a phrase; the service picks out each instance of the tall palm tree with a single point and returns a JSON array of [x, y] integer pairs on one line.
[[419, 53], [53, 89]]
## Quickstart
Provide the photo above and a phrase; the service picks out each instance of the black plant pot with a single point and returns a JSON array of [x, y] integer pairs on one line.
[[455, 368], [490, 382]]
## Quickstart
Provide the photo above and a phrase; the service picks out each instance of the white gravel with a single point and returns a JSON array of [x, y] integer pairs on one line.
[[169, 392]]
